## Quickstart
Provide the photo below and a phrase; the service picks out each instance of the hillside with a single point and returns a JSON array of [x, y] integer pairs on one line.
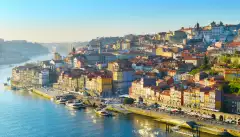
[[19, 51], [65, 47]]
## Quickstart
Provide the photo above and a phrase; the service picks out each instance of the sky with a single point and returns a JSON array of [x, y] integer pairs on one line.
[[83, 20]]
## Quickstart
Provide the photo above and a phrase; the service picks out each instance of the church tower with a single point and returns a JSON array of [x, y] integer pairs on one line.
[[100, 45]]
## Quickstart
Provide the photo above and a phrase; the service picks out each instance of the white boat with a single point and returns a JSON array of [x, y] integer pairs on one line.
[[75, 105], [103, 112], [61, 101]]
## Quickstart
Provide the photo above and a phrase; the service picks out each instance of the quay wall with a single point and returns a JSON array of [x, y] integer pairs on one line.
[[40, 93], [210, 129], [221, 116]]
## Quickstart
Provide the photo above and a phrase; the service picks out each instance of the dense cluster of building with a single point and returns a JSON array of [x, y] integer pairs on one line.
[[153, 68]]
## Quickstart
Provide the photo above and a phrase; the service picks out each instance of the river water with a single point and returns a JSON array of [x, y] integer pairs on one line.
[[23, 114]]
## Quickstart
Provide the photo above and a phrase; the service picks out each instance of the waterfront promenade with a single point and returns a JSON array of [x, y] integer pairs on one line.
[[208, 126], [47, 93]]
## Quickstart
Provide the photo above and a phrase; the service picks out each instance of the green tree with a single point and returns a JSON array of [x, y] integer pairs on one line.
[[73, 50], [212, 72], [128, 101], [195, 71], [197, 26], [206, 61], [225, 88], [221, 23], [213, 24], [234, 64], [224, 59]]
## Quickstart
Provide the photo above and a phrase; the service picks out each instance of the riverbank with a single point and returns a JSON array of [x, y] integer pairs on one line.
[[158, 116], [117, 109], [181, 122], [161, 117], [42, 93]]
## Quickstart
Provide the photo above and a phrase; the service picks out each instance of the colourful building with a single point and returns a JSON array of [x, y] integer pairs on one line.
[[57, 56], [231, 103], [165, 97], [160, 51], [176, 96], [231, 74], [104, 85]]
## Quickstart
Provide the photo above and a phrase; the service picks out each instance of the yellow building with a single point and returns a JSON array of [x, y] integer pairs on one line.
[[57, 56], [110, 66], [91, 83], [176, 97], [118, 76], [157, 37], [150, 94], [125, 45], [195, 97], [137, 90], [165, 97], [168, 35], [203, 98], [104, 85], [160, 51], [187, 101]]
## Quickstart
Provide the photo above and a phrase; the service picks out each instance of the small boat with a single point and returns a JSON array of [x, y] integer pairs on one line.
[[75, 104], [5, 84], [103, 112], [61, 101]]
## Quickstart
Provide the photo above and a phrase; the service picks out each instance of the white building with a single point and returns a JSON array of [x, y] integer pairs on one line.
[[44, 77], [217, 30], [57, 63]]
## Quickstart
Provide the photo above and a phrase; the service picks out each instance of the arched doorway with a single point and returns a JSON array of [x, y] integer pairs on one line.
[[220, 118], [213, 116], [238, 121]]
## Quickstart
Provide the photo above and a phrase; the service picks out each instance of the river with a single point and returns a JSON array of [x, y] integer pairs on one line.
[[23, 114]]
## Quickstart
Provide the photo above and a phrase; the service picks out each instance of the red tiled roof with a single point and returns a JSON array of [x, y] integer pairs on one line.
[[166, 92], [234, 44]]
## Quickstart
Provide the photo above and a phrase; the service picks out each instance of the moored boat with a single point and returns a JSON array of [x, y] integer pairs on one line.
[[61, 101], [103, 112], [75, 104]]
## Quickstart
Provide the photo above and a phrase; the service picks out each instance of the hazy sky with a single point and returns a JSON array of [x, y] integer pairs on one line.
[[80, 20]]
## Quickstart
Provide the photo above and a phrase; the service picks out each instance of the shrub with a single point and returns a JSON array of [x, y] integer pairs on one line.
[[128, 101]]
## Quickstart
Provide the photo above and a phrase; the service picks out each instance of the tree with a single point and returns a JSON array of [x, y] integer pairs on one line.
[[128, 101], [205, 61], [195, 71], [225, 59], [73, 50], [234, 64], [212, 73], [224, 87], [213, 24], [221, 23], [198, 26]]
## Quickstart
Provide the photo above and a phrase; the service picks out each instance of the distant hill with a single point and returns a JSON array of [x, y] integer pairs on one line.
[[104, 40], [65, 47], [17, 51]]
